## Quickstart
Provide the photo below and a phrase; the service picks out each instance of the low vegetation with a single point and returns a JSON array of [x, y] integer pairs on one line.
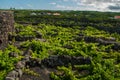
[[101, 46]]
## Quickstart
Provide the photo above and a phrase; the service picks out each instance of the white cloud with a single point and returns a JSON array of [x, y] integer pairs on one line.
[[60, 6], [102, 5], [29, 5], [65, 7], [65, 0], [21, 7], [52, 3], [97, 5]]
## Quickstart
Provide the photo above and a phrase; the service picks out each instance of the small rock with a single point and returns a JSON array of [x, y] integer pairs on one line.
[[38, 34], [68, 46], [41, 40], [33, 62], [20, 65], [26, 58], [19, 72], [13, 54], [13, 74], [112, 38], [9, 78]]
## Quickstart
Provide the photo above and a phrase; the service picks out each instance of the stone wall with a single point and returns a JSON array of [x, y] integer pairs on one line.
[[6, 26]]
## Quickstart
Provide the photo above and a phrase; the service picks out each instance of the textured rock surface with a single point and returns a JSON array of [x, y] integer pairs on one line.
[[6, 26]]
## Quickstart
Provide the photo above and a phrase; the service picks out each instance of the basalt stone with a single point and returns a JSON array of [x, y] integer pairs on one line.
[[9, 78], [90, 39], [13, 74], [80, 34], [20, 73], [41, 40], [28, 52], [23, 38], [33, 62], [116, 46], [68, 46], [80, 60], [79, 38], [106, 42], [20, 65], [64, 60], [6, 26], [26, 58], [38, 34], [13, 54]]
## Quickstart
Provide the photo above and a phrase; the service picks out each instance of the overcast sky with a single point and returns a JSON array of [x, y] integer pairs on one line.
[[94, 5]]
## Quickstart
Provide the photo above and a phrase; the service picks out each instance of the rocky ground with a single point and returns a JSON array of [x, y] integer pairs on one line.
[[40, 70], [35, 69]]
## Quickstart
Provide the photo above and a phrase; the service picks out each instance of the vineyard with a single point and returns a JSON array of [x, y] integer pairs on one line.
[[54, 52]]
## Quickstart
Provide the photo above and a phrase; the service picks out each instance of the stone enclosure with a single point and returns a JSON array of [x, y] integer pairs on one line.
[[6, 26]]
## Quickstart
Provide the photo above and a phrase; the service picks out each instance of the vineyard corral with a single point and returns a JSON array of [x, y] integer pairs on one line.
[[62, 45]]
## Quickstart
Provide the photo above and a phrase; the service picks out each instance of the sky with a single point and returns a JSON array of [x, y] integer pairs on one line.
[[92, 5]]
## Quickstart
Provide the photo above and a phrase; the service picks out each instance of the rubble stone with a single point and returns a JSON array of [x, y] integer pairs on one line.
[[6, 26]]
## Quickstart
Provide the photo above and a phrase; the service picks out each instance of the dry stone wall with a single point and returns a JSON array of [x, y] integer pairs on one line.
[[6, 26]]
